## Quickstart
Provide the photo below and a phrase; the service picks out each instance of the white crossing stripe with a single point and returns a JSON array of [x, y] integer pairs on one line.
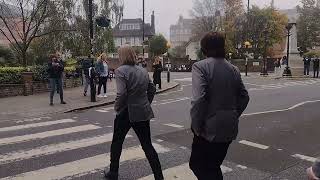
[[56, 148], [105, 110], [252, 144], [84, 166], [27, 126], [17, 139], [174, 125], [177, 100], [305, 158], [184, 79], [181, 172], [102, 111]]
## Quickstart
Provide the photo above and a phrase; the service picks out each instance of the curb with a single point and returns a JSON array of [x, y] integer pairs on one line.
[[296, 77], [112, 102]]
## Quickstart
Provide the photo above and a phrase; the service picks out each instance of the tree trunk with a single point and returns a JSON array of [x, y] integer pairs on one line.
[[24, 58]]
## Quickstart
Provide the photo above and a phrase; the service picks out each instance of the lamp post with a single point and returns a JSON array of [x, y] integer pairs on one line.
[[143, 30], [264, 69], [247, 45], [287, 71]]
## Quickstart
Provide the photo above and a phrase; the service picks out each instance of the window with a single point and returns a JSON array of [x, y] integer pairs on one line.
[[128, 40], [136, 26]]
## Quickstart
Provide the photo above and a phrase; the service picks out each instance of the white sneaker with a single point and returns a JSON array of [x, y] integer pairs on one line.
[[105, 95], [100, 96]]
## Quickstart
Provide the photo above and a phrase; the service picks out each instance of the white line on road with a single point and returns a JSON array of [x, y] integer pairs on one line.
[[33, 119], [252, 144], [282, 110], [18, 139], [27, 126], [56, 148], [177, 100], [305, 158], [181, 172], [84, 166], [174, 125]]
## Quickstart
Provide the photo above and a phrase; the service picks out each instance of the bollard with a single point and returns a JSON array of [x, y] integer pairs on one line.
[[246, 66]]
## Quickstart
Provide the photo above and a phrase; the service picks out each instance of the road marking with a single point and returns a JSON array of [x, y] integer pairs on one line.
[[84, 166], [282, 110], [102, 111], [305, 158], [42, 124], [159, 140], [174, 125], [184, 79], [242, 167], [32, 119], [182, 172], [18, 139], [177, 100], [252, 144], [56, 148]]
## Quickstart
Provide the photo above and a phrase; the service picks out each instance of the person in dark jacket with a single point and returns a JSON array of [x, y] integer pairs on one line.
[[102, 69], [86, 64], [306, 63], [135, 93], [219, 99], [157, 69], [316, 67], [55, 70]]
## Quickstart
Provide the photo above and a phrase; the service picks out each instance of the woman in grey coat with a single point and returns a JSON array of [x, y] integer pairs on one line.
[[135, 92]]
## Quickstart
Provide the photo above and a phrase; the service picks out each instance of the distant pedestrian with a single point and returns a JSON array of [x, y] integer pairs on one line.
[[314, 171], [157, 69], [135, 92], [55, 71], [219, 99], [86, 64], [277, 67], [102, 69], [306, 63], [316, 67]]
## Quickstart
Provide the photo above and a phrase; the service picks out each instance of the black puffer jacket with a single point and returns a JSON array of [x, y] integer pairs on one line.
[[55, 69]]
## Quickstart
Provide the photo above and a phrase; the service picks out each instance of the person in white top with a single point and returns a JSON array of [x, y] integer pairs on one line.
[[102, 69]]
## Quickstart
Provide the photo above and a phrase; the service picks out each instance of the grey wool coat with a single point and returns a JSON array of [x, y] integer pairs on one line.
[[135, 92], [219, 99]]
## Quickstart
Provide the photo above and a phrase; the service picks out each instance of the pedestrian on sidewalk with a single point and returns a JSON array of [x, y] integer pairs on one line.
[[55, 71], [316, 67], [86, 64], [314, 171], [306, 63], [277, 67], [157, 69], [135, 92], [102, 69], [219, 99]]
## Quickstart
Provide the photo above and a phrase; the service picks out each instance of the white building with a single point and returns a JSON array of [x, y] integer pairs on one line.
[[129, 32], [181, 32]]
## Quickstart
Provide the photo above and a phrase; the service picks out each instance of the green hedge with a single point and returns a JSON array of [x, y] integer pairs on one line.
[[12, 75]]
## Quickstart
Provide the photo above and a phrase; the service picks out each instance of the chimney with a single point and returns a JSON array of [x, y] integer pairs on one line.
[[153, 27]]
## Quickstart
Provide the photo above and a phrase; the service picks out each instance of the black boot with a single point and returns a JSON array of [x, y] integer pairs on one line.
[[110, 175]]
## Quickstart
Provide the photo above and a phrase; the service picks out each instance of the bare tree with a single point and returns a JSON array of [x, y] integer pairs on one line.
[[25, 20], [205, 13]]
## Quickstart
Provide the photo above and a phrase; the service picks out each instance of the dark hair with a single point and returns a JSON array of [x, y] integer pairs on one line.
[[213, 45]]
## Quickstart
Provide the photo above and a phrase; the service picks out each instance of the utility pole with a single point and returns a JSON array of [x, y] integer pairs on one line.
[[143, 30], [91, 26], [92, 78]]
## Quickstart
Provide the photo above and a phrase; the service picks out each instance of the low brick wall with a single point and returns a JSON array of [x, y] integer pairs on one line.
[[7, 90]]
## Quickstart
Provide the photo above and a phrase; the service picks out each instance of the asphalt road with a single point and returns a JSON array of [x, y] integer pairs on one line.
[[278, 139]]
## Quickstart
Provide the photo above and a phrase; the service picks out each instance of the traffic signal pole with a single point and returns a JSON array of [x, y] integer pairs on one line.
[[92, 79]]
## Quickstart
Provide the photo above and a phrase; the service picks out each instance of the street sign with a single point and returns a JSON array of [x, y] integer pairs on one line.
[[256, 63]]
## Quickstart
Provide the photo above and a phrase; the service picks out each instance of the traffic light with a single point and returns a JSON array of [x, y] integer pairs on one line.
[[103, 21]]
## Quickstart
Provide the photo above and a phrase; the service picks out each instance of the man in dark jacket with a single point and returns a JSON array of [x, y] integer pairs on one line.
[[316, 67], [306, 63], [55, 70], [219, 99]]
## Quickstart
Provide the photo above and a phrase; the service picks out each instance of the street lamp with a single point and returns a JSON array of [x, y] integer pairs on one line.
[[287, 71], [265, 70]]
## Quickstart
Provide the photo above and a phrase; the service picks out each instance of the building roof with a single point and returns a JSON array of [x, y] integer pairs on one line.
[[117, 32], [185, 23]]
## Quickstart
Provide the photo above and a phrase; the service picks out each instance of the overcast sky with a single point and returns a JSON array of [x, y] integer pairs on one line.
[[168, 11]]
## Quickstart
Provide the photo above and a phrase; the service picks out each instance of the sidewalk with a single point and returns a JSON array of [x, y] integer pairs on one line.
[[21, 107]]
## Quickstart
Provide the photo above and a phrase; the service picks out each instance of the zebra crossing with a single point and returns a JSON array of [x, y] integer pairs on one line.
[[11, 161], [283, 85]]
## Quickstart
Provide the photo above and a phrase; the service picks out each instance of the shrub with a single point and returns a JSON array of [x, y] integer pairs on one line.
[[40, 73], [11, 75]]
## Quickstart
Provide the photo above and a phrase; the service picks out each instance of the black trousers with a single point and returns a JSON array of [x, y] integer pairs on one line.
[[121, 127], [306, 69], [102, 82], [206, 158], [157, 82]]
